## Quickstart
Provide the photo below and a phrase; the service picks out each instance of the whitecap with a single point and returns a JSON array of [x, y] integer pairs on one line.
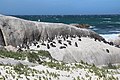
[[110, 36], [107, 18], [38, 20], [92, 27], [117, 22], [95, 29]]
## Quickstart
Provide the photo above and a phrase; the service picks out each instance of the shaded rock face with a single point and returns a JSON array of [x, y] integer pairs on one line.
[[17, 31], [1, 38]]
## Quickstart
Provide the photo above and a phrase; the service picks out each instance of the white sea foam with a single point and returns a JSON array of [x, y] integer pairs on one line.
[[38, 20], [92, 27], [107, 18], [117, 22], [95, 29], [109, 36]]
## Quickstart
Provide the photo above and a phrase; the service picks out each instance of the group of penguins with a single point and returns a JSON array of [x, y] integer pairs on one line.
[[52, 43]]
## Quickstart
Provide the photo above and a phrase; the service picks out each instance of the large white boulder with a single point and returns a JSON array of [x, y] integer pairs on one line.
[[86, 49]]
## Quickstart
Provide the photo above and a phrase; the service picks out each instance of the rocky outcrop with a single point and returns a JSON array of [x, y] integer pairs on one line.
[[76, 49], [64, 42], [81, 25], [15, 31]]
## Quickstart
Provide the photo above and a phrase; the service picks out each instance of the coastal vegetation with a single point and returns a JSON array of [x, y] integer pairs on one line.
[[31, 56], [28, 72]]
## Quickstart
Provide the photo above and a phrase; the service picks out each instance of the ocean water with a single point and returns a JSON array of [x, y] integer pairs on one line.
[[106, 25]]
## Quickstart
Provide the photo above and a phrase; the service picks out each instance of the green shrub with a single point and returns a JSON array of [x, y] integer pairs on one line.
[[15, 55], [19, 68], [33, 57], [45, 54]]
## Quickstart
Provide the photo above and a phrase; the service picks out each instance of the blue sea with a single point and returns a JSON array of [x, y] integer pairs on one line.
[[106, 25]]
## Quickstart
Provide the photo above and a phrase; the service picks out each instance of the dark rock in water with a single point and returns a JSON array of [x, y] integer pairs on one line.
[[38, 46], [64, 44], [60, 41], [43, 44], [48, 46], [52, 45], [62, 47], [107, 50], [76, 44]]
